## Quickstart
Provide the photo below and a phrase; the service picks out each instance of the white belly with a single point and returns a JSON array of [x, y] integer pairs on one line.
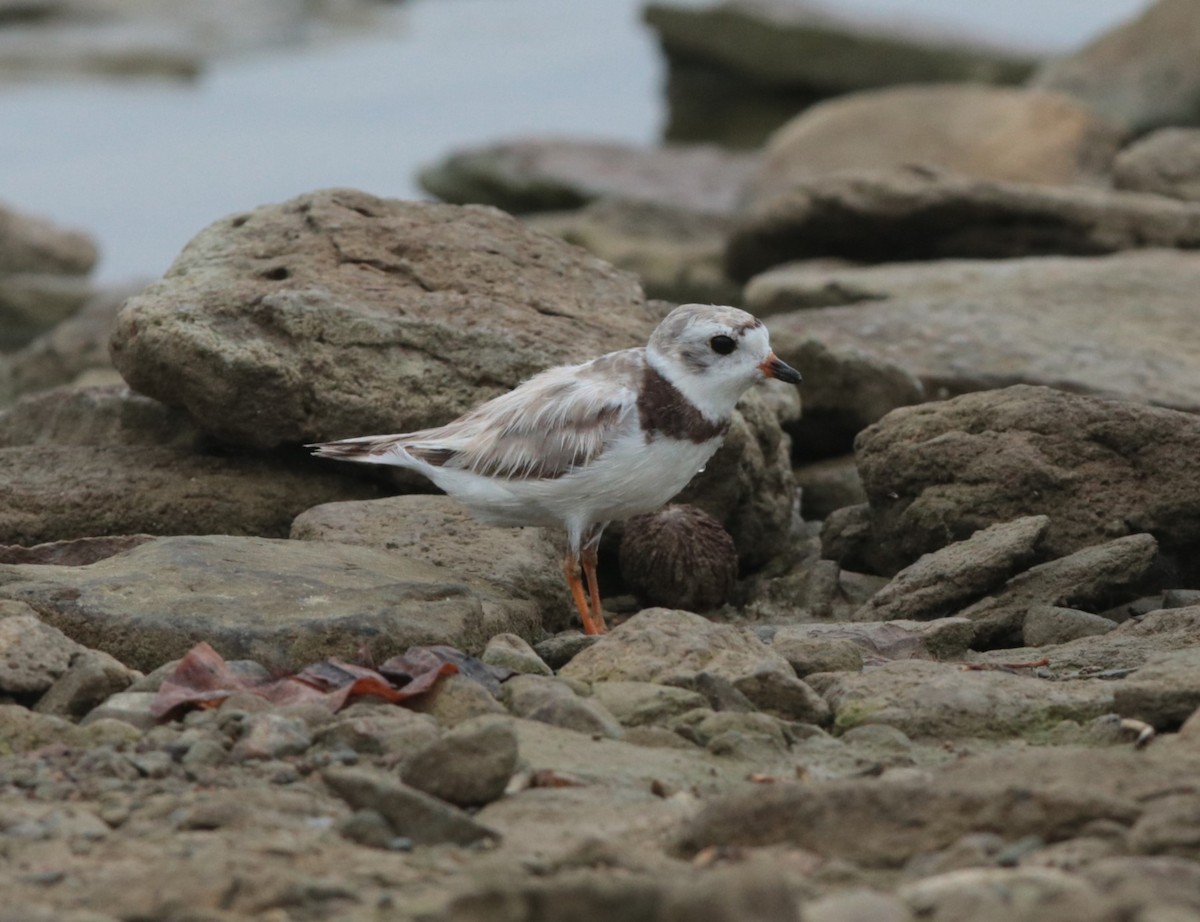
[[632, 477]]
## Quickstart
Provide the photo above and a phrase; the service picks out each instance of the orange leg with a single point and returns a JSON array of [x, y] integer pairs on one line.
[[571, 572], [589, 571]]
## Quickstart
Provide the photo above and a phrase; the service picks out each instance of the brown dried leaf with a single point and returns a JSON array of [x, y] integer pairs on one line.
[[203, 679]]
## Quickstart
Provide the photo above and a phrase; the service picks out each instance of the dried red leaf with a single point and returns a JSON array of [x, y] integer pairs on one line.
[[203, 679], [417, 661]]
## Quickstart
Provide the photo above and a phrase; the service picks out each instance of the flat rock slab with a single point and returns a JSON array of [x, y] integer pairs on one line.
[[982, 131], [1089, 578], [283, 603], [1100, 469], [1125, 648], [552, 175], [436, 530], [1121, 325], [339, 314], [83, 462], [918, 213], [1053, 793], [942, 700], [880, 640], [792, 45], [938, 583]]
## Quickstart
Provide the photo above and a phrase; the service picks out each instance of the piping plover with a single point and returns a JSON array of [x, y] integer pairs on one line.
[[579, 446]]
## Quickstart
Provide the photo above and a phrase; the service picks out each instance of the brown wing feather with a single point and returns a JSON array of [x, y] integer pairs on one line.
[[554, 423]]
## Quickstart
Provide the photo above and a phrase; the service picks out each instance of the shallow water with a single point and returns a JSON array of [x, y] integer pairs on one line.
[[143, 165]]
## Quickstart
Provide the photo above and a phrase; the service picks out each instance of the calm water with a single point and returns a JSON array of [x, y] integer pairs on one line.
[[144, 165]]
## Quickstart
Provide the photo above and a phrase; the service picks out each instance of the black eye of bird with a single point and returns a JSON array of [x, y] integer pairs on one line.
[[722, 345]]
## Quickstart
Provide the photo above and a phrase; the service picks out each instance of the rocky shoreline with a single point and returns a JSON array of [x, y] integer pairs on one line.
[[948, 662]]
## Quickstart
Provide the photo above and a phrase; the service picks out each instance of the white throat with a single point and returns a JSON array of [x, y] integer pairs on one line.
[[714, 398]]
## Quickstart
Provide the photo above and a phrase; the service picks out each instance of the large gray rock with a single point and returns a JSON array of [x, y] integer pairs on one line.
[[801, 46], [75, 459], [284, 603], [979, 131], [344, 314], [1145, 73], [920, 213], [1166, 162], [525, 562], [1120, 325], [942, 701], [1099, 469], [551, 175], [675, 647]]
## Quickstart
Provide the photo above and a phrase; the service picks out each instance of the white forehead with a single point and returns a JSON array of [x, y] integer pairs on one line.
[[691, 322]]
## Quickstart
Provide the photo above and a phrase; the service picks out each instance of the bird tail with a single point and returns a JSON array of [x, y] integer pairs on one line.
[[373, 449]]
